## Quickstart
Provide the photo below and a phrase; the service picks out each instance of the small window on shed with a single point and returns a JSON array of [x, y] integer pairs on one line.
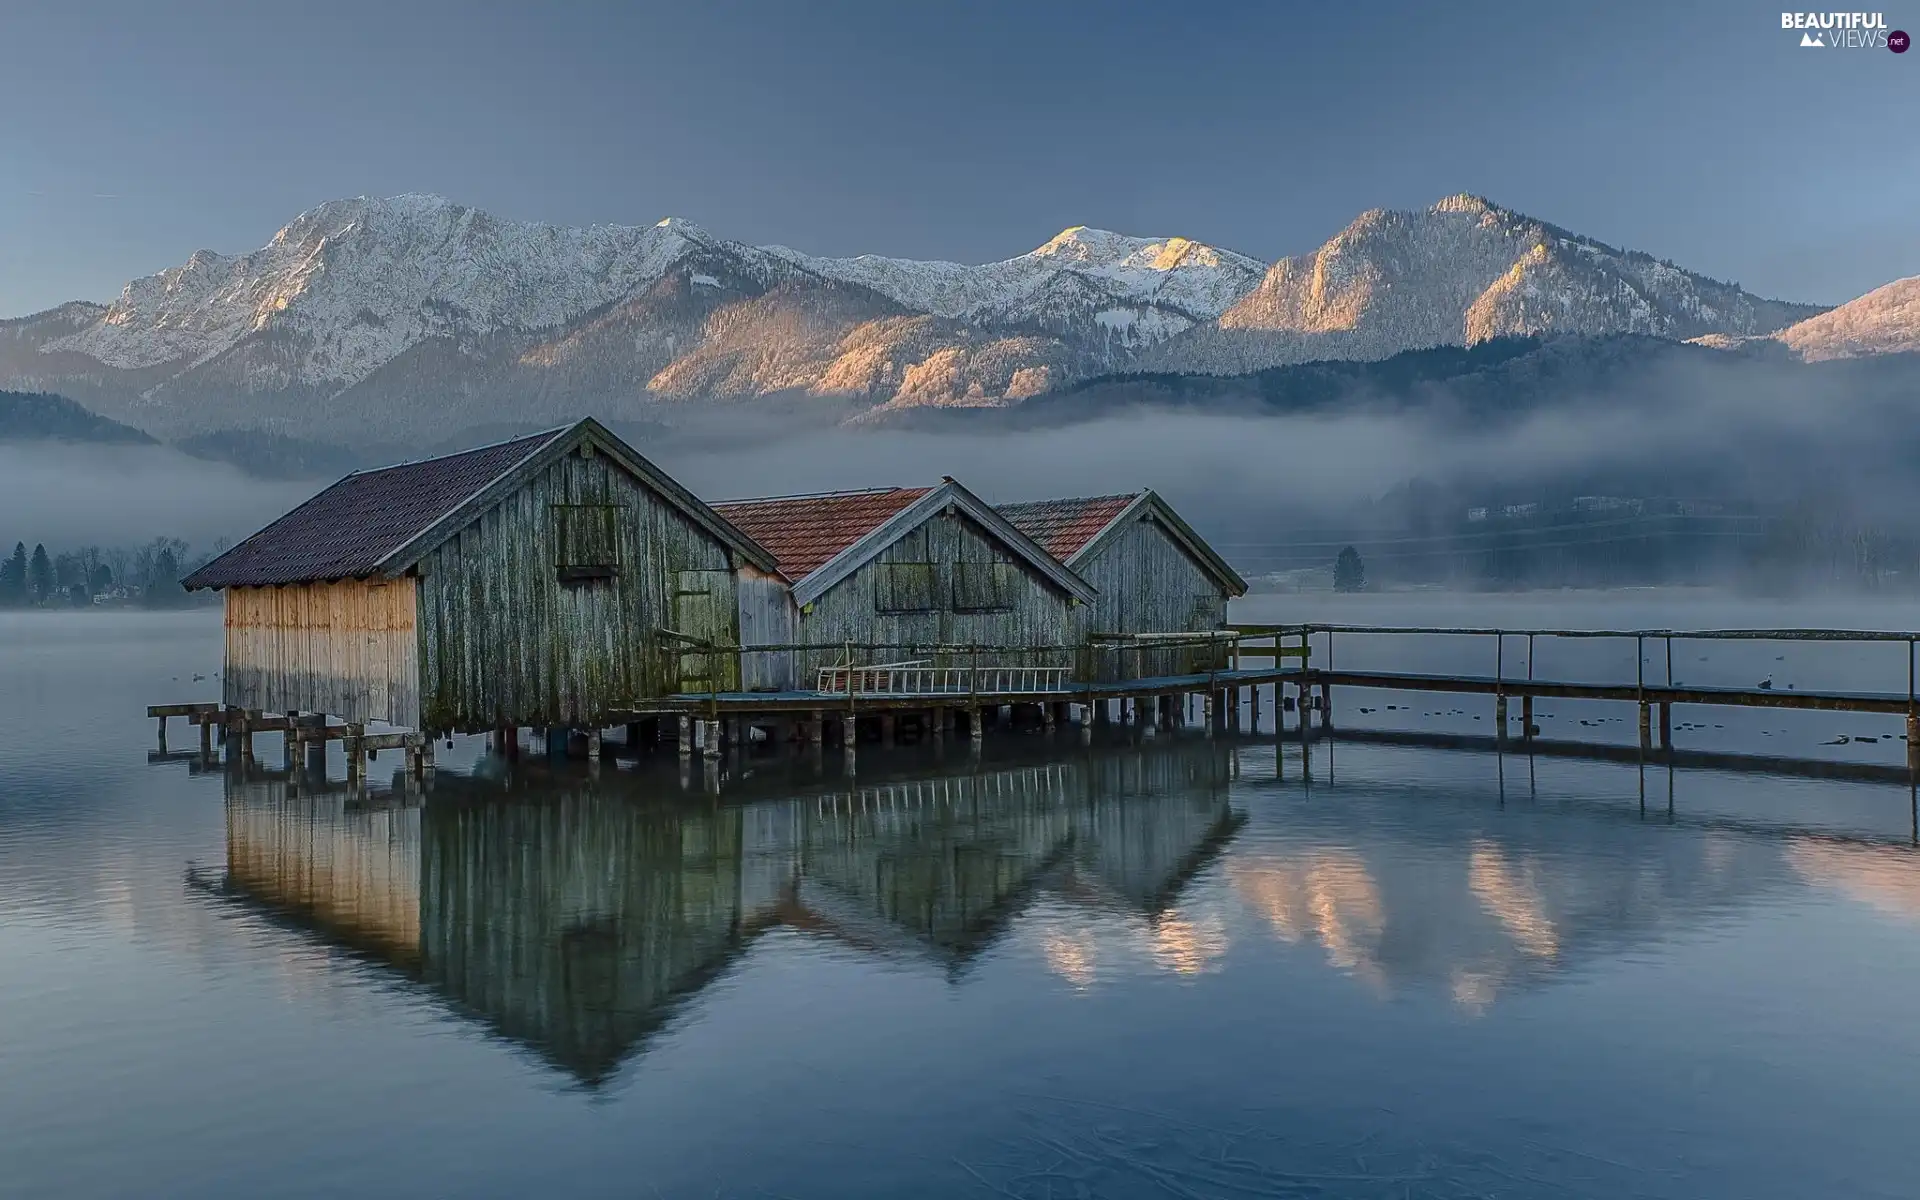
[[982, 586], [902, 587], [586, 540]]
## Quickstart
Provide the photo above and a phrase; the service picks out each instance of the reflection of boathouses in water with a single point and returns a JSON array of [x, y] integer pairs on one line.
[[572, 916], [935, 867]]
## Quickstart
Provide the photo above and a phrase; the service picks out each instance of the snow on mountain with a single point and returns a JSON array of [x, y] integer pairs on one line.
[[1884, 321], [1127, 291], [360, 281], [1459, 273], [390, 317]]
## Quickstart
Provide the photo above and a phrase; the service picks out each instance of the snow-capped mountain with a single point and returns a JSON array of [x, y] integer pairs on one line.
[[360, 281], [1118, 293], [388, 317], [1459, 273]]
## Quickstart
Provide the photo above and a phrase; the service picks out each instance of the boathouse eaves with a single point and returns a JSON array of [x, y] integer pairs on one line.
[[383, 522], [1075, 530], [833, 535]]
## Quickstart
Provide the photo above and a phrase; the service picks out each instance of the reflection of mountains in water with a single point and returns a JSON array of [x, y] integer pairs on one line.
[[1416, 889], [574, 916]]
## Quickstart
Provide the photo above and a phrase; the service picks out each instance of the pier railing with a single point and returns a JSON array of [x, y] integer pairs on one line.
[[939, 669], [1653, 685], [922, 679], [1662, 639]]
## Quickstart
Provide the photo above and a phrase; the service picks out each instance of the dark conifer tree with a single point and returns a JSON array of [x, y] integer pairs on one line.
[[1349, 573], [13, 577], [39, 576]]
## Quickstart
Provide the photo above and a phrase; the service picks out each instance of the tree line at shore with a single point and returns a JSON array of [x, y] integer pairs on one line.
[[146, 576]]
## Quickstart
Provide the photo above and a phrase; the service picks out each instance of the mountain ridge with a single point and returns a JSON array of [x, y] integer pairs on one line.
[[369, 318]]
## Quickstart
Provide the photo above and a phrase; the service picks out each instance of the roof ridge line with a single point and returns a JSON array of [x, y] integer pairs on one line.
[[872, 491], [544, 434], [1133, 495]]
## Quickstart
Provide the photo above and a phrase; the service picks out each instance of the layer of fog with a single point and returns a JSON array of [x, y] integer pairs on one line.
[[1766, 440], [69, 495], [1326, 466]]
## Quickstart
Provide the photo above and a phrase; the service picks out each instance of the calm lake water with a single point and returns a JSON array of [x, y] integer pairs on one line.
[[1170, 969]]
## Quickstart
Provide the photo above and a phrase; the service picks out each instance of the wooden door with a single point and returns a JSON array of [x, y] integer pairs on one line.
[[698, 597]]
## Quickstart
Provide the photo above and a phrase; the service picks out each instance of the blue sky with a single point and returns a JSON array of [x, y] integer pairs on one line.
[[138, 132]]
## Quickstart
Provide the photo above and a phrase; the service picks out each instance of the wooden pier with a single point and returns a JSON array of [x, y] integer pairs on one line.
[[880, 693], [947, 690], [1654, 698], [302, 733]]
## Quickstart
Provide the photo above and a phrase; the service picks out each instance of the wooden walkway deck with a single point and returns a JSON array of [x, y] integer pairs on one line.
[[807, 701], [1291, 667]]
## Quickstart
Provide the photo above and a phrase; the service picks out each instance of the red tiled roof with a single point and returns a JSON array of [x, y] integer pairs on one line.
[[805, 532], [1063, 527]]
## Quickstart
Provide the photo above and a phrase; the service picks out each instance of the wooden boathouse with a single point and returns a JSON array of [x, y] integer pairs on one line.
[[518, 584], [899, 569], [1152, 572]]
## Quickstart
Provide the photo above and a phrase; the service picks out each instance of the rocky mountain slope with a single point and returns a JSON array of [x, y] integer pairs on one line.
[[1884, 321], [1459, 273], [387, 319]]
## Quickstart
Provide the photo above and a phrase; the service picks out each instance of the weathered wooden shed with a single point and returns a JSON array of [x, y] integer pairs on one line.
[[1153, 573], [902, 567], [523, 583]]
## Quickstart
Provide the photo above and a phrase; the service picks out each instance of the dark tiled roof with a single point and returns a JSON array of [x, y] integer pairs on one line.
[[346, 530], [805, 532], [1063, 527]]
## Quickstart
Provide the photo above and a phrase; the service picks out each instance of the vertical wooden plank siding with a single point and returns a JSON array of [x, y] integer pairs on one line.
[[502, 639], [1148, 584], [1037, 612], [347, 648], [766, 619]]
